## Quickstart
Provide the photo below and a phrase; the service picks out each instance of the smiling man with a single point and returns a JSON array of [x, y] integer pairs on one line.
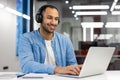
[[45, 50]]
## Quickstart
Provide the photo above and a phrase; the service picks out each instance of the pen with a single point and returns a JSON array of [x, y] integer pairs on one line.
[[20, 75]]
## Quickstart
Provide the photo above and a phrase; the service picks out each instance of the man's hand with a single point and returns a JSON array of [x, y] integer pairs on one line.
[[74, 70]]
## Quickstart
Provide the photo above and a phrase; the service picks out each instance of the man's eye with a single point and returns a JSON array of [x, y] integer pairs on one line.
[[56, 19], [49, 17]]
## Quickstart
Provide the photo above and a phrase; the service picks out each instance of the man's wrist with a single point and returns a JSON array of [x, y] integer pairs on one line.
[[57, 69]]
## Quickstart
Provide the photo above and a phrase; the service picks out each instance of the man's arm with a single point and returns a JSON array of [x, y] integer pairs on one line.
[[71, 62], [70, 57], [26, 58]]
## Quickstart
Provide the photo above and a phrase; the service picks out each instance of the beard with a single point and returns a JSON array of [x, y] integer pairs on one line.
[[46, 29]]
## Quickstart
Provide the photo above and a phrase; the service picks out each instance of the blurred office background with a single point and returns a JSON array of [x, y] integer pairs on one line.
[[86, 22]]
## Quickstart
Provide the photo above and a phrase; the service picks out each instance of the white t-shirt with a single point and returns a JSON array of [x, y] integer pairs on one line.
[[50, 58]]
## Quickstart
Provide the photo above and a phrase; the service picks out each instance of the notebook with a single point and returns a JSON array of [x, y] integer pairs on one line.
[[96, 61]]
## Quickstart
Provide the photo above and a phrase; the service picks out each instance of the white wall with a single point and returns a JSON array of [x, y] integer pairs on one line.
[[8, 37]]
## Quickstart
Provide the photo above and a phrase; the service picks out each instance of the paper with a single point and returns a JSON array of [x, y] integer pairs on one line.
[[34, 75], [7, 76]]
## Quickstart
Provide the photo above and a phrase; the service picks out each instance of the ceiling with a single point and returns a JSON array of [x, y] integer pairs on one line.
[[81, 1], [66, 12]]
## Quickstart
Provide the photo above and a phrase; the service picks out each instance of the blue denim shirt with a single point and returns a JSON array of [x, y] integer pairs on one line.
[[32, 51]]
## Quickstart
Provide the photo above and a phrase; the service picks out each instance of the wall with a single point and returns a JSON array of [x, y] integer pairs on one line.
[[8, 38], [74, 29]]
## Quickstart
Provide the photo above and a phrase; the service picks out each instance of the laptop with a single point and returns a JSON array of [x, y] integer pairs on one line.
[[96, 62]]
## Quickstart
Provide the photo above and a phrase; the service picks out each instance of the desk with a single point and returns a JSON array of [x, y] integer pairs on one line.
[[108, 75]]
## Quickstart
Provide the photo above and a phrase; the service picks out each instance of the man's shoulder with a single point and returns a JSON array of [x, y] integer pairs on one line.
[[30, 34], [61, 36]]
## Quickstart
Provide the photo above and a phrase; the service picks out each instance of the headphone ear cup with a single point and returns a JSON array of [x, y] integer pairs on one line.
[[38, 18]]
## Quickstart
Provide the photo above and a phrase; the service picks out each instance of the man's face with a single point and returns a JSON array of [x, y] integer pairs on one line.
[[50, 20]]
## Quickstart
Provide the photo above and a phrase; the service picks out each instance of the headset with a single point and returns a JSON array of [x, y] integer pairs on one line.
[[39, 16]]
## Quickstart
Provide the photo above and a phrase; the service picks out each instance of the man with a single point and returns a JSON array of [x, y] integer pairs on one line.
[[46, 51]]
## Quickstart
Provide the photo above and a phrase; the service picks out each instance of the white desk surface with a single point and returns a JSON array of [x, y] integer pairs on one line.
[[109, 75]]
